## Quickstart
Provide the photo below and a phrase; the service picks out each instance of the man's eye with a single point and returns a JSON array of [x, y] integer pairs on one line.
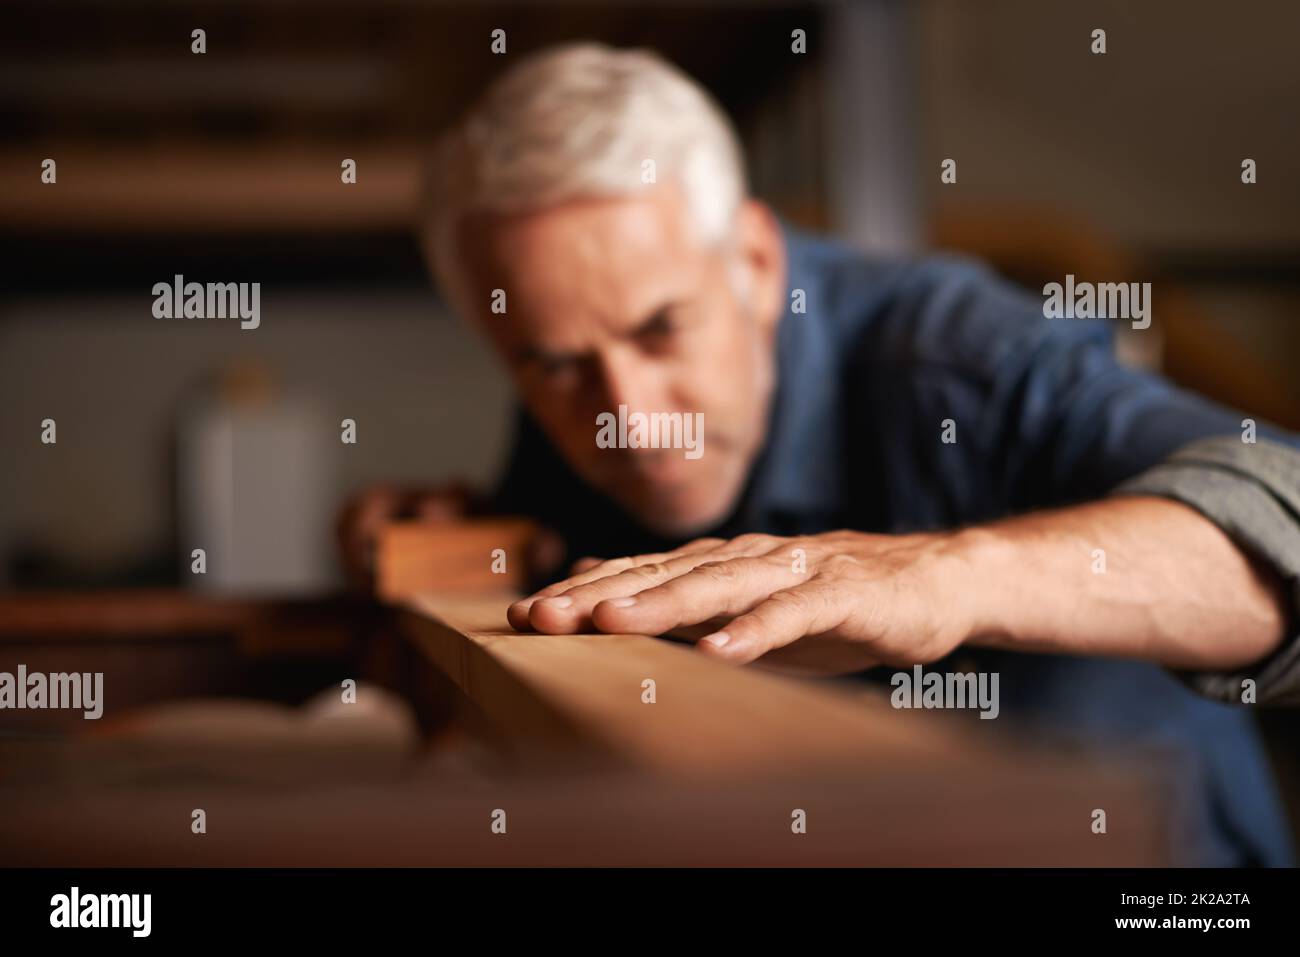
[[555, 367], [658, 327], [557, 373], [658, 335]]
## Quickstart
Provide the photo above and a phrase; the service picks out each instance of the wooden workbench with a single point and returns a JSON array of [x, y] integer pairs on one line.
[[555, 731]]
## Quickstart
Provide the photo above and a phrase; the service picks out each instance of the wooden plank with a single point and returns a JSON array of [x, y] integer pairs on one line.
[[481, 555], [580, 692], [902, 787]]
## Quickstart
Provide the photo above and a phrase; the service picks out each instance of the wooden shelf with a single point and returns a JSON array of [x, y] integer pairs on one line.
[[209, 189]]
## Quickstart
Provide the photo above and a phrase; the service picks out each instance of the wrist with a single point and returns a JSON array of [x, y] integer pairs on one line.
[[983, 564]]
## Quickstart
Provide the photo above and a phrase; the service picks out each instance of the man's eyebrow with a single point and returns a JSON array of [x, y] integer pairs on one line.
[[648, 324], [538, 354], [533, 353]]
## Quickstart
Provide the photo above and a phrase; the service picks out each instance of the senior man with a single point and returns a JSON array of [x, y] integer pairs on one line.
[[900, 459]]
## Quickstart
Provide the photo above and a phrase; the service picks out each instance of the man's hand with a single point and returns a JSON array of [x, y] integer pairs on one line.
[[365, 513], [1130, 577], [850, 600]]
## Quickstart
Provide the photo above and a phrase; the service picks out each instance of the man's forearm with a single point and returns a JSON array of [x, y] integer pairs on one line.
[[1132, 577]]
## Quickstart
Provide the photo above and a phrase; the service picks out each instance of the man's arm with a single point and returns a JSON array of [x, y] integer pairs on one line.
[[1131, 577], [1052, 419]]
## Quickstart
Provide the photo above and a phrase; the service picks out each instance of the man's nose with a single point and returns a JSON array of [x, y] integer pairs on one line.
[[633, 380]]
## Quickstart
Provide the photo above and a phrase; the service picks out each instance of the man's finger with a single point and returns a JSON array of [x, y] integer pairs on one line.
[[711, 588], [550, 616], [518, 612], [784, 618]]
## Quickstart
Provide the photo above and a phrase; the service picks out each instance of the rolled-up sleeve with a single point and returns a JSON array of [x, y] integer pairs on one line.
[[1252, 492]]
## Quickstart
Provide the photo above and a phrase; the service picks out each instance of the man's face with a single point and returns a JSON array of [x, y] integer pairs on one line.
[[617, 302]]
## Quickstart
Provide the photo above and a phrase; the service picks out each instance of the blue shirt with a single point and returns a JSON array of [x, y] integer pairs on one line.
[[1044, 416]]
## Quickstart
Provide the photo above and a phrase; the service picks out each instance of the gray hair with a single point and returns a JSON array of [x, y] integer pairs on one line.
[[579, 122]]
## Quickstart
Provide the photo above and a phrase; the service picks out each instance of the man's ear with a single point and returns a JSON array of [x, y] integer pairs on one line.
[[760, 247]]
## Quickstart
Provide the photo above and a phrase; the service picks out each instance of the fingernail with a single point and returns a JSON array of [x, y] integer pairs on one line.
[[620, 602], [718, 639], [561, 601]]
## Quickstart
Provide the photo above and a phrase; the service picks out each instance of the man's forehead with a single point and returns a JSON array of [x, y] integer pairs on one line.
[[638, 225], [607, 263]]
